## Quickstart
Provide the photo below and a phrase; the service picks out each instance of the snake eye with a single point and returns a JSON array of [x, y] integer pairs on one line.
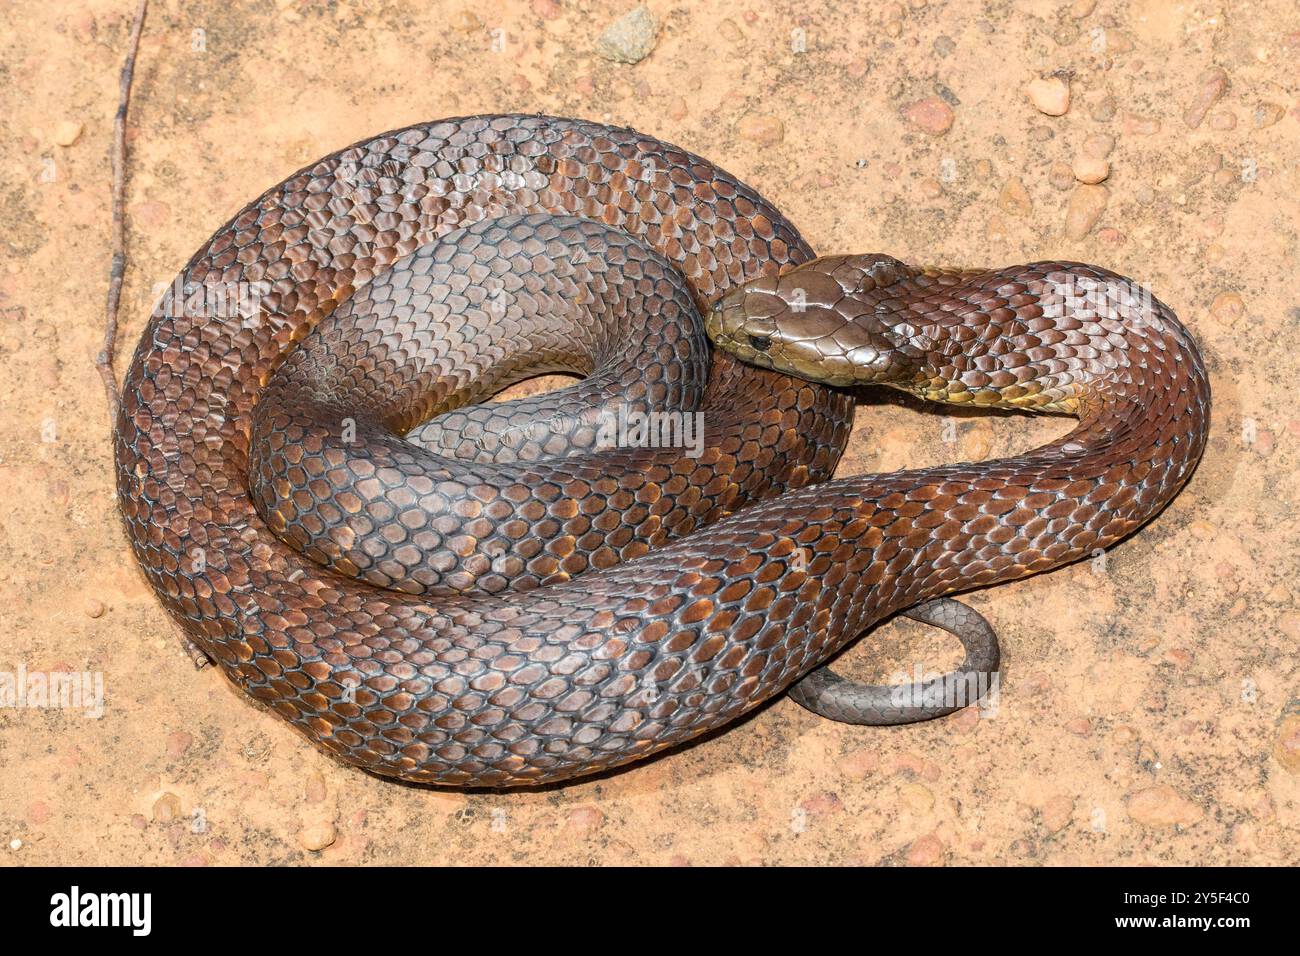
[[760, 343]]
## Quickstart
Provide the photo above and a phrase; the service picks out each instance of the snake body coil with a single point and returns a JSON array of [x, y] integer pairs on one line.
[[396, 571]]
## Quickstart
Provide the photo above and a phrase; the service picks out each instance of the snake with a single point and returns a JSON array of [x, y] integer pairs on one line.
[[460, 592]]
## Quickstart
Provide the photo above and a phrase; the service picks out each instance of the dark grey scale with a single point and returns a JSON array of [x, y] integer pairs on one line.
[[460, 319], [332, 471]]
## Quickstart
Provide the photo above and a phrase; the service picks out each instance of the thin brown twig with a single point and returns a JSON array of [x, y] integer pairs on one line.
[[104, 361]]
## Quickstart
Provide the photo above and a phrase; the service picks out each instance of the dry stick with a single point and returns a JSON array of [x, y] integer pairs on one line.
[[104, 361]]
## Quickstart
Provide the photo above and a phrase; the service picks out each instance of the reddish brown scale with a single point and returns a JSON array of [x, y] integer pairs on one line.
[[575, 676]]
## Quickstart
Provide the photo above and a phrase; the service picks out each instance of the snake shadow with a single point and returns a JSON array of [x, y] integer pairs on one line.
[[601, 776]]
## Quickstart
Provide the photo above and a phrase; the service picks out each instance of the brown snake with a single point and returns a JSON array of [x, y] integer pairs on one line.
[[490, 595]]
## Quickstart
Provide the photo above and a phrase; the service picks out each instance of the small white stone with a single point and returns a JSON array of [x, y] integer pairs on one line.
[[1050, 95], [1091, 169], [67, 132]]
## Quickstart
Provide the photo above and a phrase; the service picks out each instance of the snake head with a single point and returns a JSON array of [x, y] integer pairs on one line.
[[817, 321]]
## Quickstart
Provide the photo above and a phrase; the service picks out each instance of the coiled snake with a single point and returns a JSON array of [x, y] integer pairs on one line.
[[521, 592]]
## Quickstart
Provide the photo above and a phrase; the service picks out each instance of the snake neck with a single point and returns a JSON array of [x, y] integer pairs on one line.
[[1058, 337], [1047, 337]]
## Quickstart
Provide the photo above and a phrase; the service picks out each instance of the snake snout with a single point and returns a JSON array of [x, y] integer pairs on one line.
[[743, 323]]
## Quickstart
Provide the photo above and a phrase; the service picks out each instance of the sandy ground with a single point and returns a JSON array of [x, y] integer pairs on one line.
[[1150, 706]]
